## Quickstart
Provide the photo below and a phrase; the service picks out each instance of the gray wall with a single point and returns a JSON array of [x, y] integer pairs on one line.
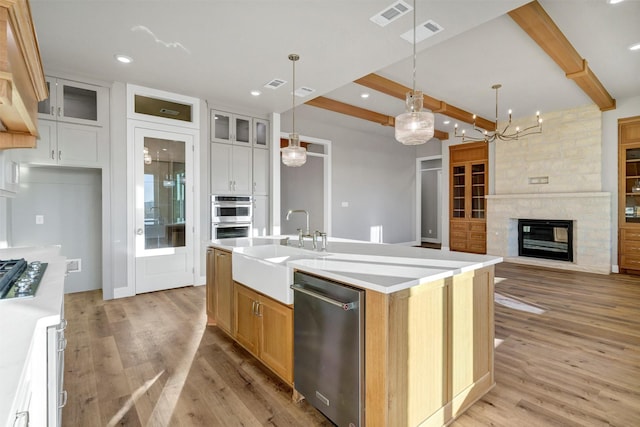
[[430, 212], [70, 201], [302, 188], [374, 174]]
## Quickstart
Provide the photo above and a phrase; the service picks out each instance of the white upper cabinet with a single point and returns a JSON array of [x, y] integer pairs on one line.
[[231, 128], [230, 169], [75, 102], [260, 172]]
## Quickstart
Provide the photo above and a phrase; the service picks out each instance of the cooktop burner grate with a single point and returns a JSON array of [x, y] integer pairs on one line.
[[19, 279]]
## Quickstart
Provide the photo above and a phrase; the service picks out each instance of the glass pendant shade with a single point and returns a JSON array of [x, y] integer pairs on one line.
[[294, 155], [414, 126]]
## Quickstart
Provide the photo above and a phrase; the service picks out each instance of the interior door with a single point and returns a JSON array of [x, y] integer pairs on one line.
[[164, 241]]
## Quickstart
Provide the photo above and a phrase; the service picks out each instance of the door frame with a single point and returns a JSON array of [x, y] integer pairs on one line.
[[130, 289], [419, 171]]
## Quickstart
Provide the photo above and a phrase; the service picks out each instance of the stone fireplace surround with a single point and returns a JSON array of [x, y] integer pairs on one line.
[[589, 211]]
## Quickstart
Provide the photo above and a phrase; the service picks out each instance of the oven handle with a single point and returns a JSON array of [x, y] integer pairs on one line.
[[231, 224]]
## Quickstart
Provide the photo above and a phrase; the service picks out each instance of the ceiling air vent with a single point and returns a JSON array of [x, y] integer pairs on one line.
[[423, 31], [304, 91], [391, 13], [275, 83]]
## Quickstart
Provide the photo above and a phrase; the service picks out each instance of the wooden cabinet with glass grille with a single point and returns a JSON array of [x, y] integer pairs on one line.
[[468, 187], [629, 195]]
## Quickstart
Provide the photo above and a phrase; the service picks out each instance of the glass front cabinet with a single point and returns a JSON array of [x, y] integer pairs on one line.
[[469, 186], [629, 195]]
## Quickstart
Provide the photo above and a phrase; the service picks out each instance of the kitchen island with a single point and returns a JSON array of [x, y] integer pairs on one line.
[[429, 325]]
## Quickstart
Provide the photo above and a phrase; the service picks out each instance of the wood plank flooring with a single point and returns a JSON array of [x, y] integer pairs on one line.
[[150, 360]]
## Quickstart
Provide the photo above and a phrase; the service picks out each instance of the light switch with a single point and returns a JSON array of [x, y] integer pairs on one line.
[[345, 204], [39, 219]]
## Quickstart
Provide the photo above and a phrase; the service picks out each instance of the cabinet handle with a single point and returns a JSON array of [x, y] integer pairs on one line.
[[59, 111], [21, 416], [52, 110], [60, 155], [258, 313], [53, 154], [63, 394]]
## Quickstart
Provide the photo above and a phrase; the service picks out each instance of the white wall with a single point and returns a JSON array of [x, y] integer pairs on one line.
[[374, 174], [70, 203]]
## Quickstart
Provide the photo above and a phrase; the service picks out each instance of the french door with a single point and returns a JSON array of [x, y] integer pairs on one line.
[[164, 200]]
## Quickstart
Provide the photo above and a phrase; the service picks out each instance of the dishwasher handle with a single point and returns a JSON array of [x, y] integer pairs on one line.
[[343, 305]]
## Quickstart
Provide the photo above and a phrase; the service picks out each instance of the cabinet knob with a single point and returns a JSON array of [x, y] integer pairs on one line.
[[139, 231]]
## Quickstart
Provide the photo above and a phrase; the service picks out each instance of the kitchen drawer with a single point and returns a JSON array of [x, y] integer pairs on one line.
[[477, 237], [630, 262], [627, 234], [478, 247], [475, 226], [458, 244], [458, 235], [458, 225], [631, 248]]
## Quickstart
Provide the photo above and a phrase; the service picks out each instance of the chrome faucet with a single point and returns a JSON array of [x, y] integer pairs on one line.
[[301, 234]]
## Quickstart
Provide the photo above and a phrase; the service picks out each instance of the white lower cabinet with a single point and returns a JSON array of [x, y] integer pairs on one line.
[[65, 144], [230, 169], [260, 216]]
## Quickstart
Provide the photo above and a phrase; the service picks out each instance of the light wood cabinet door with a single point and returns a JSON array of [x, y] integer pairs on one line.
[[246, 320], [471, 329], [211, 289], [468, 188], [276, 337], [224, 290]]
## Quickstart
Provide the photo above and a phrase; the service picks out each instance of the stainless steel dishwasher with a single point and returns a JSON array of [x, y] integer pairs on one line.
[[329, 347]]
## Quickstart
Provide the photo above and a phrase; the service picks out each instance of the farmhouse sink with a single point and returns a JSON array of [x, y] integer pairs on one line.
[[264, 268]]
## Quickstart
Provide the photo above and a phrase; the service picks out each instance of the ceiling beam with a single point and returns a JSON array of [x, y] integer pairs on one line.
[[535, 21], [391, 88], [361, 113]]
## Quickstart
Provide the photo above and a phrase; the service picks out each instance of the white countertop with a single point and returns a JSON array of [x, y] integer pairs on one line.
[[383, 268], [21, 317]]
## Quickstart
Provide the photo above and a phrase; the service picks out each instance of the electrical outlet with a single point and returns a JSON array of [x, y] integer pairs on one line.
[[39, 219], [345, 204]]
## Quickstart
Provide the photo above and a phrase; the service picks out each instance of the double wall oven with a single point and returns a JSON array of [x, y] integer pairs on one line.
[[231, 216]]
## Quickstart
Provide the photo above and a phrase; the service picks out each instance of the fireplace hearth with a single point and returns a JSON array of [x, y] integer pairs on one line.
[[548, 239]]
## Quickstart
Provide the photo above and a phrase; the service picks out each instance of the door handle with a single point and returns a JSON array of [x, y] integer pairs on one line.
[[139, 231]]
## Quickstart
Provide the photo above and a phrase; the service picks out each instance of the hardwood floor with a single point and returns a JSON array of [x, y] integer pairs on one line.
[[150, 360]]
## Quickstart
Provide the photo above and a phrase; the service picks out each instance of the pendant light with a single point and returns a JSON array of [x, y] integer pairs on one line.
[[294, 155], [414, 126]]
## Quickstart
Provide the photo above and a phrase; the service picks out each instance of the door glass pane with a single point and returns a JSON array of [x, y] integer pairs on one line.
[[80, 103], [477, 191], [243, 128], [162, 108], [221, 126], [458, 192], [261, 134], [632, 186], [164, 193], [44, 107]]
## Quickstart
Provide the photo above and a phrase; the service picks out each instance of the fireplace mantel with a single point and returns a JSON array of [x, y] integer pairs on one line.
[[548, 195]]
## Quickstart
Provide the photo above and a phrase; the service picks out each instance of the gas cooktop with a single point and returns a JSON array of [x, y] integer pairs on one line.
[[19, 279]]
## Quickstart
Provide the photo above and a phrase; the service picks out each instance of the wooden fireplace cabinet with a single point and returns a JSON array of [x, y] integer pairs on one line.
[[468, 186], [629, 195]]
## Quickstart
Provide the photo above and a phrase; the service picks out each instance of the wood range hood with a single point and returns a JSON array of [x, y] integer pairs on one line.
[[22, 83]]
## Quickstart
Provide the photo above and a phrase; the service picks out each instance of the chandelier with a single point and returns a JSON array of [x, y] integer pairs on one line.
[[293, 154], [506, 134], [414, 126]]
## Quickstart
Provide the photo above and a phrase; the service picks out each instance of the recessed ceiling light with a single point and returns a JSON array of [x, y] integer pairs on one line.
[[123, 58], [255, 93], [364, 95], [446, 122], [635, 46], [614, 1]]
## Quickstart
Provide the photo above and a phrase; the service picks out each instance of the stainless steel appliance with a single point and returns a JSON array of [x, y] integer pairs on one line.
[[231, 216], [329, 347], [19, 279]]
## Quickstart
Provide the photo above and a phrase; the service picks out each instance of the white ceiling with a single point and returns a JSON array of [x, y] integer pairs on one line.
[[220, 50]]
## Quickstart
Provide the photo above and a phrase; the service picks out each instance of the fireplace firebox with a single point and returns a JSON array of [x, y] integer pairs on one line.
[[549, 239]]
